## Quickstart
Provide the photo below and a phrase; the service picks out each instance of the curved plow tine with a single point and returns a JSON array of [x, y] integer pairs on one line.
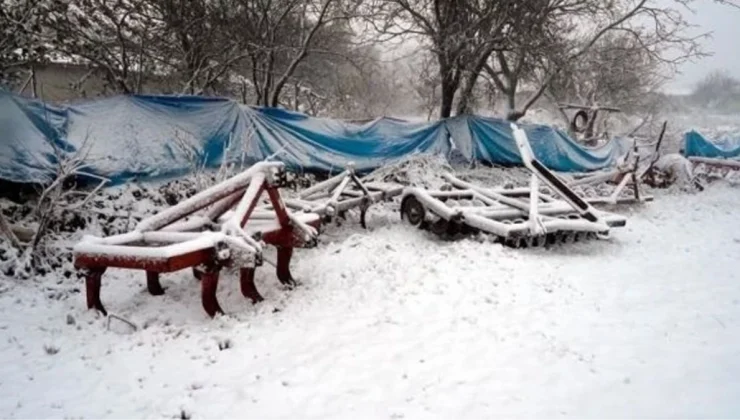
[[363, 213], [248, 288]]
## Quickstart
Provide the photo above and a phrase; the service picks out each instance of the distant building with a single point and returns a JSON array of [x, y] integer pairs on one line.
[[69, 82]]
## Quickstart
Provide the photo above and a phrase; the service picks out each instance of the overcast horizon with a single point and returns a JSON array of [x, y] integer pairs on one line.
[[724, 22]]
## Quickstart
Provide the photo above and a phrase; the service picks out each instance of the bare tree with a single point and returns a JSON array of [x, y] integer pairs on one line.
[[197, 43], [113, 36], [717, 90], [460, 34], [20, 38], [617, 72], [541, 52], [279, 35], [526, 44]]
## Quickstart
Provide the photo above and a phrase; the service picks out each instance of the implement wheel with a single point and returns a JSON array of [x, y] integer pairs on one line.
[[413, 211]]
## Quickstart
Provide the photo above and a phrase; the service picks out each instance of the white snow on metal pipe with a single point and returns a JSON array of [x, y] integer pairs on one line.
[[201, 199], [594, 179], [489, 225], [204, 241], [576, 225], [730, 163], [193, 223], [248, 200], [328, 184], [488, 193], [535, 224]]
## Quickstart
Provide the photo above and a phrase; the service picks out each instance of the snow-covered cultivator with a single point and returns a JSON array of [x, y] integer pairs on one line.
[[521, 217], [335, 196], [626, 185], [222, 226], [721, 166]]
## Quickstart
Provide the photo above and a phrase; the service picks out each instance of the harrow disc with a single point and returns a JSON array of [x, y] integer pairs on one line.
[[539, 241], [569, 237], [511, 242], [526, 242]]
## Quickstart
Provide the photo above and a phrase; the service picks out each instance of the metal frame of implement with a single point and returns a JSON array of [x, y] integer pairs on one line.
[[626, 175], [726, 165], [230, 233], [334, 196], [506, 213]]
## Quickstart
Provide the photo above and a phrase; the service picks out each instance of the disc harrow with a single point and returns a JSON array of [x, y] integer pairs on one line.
[[516, 217]]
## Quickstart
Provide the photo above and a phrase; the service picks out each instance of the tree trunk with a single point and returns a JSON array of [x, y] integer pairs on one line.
[[448, 95], [467, 91], [471, 80], [511, 112], [449, 84]]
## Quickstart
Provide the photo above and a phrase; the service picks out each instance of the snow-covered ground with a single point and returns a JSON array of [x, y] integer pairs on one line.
[[394, 323]]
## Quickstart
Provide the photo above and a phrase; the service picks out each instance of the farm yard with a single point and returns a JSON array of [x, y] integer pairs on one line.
[[390, 209], [392, 321]]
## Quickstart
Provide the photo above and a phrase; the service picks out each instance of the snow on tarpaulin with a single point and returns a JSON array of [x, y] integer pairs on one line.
[[697, 145], [28, 133], [326, 145], [490, 140], [150, 137]]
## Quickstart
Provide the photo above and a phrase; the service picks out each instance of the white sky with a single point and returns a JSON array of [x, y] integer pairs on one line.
[[724, 23]]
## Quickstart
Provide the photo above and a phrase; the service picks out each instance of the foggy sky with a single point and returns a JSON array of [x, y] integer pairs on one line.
[[724, 22]]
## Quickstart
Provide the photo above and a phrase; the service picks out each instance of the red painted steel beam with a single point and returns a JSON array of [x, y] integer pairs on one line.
[[153, 264]]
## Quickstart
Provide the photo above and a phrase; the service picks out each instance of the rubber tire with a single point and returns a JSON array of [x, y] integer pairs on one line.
[[413, 211], [575, 125]]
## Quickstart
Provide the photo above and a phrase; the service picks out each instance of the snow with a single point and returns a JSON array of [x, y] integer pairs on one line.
[[677, 165], [204, 198], [730, 163], [394, 323], [184, 243]]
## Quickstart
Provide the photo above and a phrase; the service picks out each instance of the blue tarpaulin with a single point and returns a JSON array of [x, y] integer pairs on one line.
[[149, 137], [696, 145], [490, 140]]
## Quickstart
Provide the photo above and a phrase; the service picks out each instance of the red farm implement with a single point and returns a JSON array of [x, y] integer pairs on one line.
[[223, 226]]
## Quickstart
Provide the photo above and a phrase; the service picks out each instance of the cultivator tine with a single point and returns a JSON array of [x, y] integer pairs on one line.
[[284, 255], [367, 199], [209, 285], [363, 213], [249, 289]]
